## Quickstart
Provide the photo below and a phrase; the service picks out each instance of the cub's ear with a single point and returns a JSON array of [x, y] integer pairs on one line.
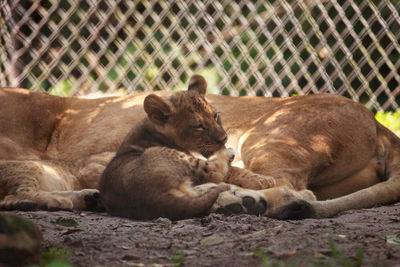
[[198, 83], [157, 109]]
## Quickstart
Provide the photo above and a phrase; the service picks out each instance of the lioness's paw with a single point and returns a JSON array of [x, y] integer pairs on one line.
[[239, 200], [296, 210]]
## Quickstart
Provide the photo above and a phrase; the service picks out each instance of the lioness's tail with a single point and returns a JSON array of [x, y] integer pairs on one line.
[[379, 194]]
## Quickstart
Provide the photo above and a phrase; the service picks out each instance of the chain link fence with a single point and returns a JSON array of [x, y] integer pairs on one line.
[[271, 48]]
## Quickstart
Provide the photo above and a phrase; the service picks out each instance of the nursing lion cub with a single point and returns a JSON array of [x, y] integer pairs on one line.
[[153, 174]]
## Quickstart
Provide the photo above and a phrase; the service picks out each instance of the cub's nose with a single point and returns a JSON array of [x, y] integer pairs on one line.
[[222, 139]]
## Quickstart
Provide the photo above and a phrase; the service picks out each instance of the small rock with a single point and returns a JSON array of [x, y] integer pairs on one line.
[[20, 240]]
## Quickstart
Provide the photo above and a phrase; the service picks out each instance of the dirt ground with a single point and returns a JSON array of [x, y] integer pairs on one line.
[[369, 237]]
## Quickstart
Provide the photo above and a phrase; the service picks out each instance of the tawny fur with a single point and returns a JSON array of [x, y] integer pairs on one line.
[[323, 147]]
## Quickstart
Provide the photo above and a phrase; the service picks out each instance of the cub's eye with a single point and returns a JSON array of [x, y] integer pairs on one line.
[[216, 117], [199, 127]]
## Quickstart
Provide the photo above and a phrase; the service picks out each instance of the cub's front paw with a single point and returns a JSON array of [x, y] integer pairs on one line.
[[93, 202], [257, 181], [87, 199], [225, 154], [238, 200]]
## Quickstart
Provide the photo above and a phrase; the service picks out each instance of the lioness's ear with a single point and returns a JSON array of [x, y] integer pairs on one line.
[[198, 83], [157, 109]]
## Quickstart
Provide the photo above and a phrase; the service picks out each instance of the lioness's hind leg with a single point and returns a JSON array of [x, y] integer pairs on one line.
[[12, 202], [28, 185], [86, 199], [32, 200]]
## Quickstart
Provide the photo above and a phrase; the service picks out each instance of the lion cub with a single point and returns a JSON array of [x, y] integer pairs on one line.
[[153, 173]]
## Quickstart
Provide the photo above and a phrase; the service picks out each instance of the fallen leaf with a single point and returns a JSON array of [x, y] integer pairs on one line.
[[255, 234], [290, 253], [393, 239], [147, 224], [71, 231], [276, 229], [212, 240]]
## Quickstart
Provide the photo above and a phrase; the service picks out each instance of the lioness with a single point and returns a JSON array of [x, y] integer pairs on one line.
[[316, 155]]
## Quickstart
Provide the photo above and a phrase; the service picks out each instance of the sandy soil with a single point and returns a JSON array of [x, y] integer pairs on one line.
[[218, 240]]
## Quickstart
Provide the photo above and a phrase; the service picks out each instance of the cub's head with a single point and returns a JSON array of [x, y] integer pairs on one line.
[[187, 120]]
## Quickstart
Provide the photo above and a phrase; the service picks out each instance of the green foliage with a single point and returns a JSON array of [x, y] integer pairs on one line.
[[390, 120], [62, 88], [265, 261], [66, 222], [212, 77], [178, 259], [55, 257], [338, 258], [260, 253]]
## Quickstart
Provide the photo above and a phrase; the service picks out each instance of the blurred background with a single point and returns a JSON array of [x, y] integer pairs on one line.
[[264, 48]]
